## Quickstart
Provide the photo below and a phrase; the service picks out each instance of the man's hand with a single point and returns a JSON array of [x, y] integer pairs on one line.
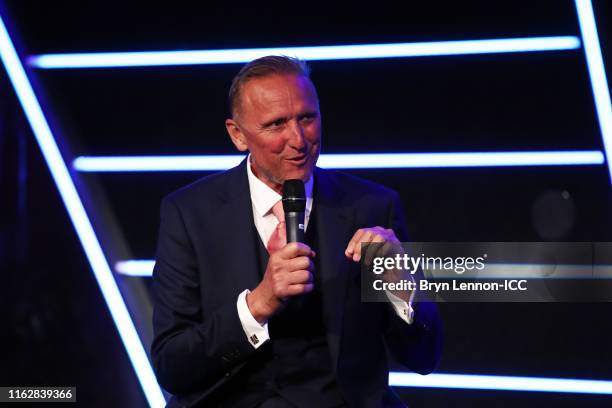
[[386, 237], [289, 273], [389, 246]]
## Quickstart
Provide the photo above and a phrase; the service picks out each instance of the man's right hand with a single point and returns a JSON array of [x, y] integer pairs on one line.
[[289, 273]]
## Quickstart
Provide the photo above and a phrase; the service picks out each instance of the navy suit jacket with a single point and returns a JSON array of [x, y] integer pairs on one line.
[[206, 256]]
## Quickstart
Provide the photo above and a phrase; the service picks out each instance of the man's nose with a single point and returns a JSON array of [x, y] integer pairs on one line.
[[296, 136]]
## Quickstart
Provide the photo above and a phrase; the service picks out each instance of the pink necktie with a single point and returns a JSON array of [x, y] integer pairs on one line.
[[278, 239]]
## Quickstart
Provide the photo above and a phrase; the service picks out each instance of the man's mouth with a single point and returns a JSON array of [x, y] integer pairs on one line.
[[298, 159]]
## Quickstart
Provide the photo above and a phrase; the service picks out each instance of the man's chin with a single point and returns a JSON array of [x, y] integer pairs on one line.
[[303, 175]]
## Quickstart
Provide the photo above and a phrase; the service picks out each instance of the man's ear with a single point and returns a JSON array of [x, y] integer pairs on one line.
[[235, 133]]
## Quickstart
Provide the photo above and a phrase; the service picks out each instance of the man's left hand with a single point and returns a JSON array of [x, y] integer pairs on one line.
[[381, 235], [389, 245]]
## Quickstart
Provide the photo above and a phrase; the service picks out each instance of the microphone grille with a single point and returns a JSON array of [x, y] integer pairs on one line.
[[294, 196]]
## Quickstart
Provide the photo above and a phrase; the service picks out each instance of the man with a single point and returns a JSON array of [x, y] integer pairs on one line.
[[244, 319]]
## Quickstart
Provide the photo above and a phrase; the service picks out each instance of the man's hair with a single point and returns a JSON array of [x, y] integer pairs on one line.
[[262, 67]]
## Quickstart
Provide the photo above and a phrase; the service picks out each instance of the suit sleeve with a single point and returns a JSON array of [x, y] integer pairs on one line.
[[418, 346], [193, 349]]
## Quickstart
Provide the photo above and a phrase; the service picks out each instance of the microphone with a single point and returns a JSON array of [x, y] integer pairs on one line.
[[294, 205]]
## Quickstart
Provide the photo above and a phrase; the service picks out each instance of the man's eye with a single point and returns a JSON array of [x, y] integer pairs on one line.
[[277, 123], [307, 118]]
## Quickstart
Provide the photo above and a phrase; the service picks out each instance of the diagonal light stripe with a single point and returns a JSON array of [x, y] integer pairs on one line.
[[597, 74], [80, 221], [333, 52], [500, 383], [345, 161]]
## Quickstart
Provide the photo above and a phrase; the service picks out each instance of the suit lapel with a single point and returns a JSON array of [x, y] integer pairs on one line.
[[334, 226], [235, 218]]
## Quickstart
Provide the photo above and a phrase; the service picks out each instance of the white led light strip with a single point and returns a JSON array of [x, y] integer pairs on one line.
[[345, 161], [331, 52], [500, 383]]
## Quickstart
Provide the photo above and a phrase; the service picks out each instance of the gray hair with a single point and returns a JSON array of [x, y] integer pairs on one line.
[[262, 67]]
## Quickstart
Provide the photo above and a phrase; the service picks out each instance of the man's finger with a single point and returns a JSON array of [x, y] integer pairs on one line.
[[366, 238], [350, 248], [295, 249], [299, 289], [301, 276], [302, 262]]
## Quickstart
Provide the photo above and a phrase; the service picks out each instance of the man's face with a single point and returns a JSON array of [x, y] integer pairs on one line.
[[278, 121]]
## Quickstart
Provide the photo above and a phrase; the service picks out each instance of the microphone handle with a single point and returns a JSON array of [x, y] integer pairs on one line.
[[294, 222]]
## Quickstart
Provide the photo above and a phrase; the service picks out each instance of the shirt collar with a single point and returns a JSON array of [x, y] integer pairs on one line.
[[263, 197]]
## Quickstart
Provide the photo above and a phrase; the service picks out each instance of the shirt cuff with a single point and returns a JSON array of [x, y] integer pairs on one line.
[[403, 309], [255, 332]]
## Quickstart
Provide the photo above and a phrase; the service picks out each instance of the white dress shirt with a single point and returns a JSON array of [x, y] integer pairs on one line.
[[263, 199]]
